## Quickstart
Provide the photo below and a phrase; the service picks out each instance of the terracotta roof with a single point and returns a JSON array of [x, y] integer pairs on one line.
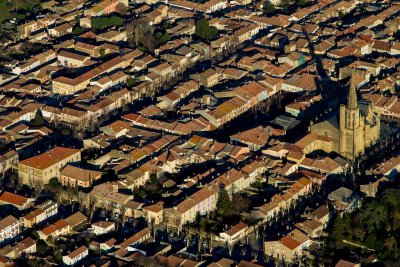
[[7, 221], [13, 199], [49, 158], [289, 242], [77, 252]]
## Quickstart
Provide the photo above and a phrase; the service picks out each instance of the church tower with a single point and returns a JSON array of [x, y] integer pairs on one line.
[[351, 126]]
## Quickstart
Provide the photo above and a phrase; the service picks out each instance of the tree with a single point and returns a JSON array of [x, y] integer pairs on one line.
[[269, 8], [165, 38], [38, 121], [57, 256], [54, 184], [77, 30], [240, 203], [204, 30], [341, 15], [396, 35], [100, 23], [143, 35], [109, 175], [301, 2], [102, 52], [224, 205], [131, 82], [285, 4]]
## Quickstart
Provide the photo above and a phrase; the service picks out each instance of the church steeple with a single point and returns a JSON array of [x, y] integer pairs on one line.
[[352, 98]]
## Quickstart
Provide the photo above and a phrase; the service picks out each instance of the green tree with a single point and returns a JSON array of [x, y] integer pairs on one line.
[[38, 121], [77, 30], [285, 4], [54, 184], [269, 8], [131, 82], [341, 15], [42, 248], [102, 52], [301, 2], [204, 30], [224, 204], [57, 256], [165, 38], [396, 35], [100, 23]]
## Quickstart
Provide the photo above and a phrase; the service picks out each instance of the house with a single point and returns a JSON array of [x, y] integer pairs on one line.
[[55, 230], [25, 246], [8, 160], [288, 248], [103, 227], [344, 200], [154, 214], [106, 195], [75, 256], [321, 214], [137, 238], [344, 263], [108, 245], [20, 202], [60, 30], [71, 59], [41, 168], [105, 7], [9, 228], [312, 228], [73, 176], [208, 78], [234, 234], [32, 218], [372, 188], [390, 168]]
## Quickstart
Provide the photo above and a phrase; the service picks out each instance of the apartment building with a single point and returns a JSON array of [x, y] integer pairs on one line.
[[9, 228], [40, 214]]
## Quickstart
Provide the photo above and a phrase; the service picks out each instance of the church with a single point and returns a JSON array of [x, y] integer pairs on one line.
[[351, 131]]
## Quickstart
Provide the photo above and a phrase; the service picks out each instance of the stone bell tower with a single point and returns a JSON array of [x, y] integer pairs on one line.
[[351, 126]]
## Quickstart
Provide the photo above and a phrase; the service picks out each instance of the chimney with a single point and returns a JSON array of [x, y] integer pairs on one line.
[[114, 188]]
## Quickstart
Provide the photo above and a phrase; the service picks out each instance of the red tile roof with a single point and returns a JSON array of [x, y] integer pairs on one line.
[[13, 199], [49, 158]]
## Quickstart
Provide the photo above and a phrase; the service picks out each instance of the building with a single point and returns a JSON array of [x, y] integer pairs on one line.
[[289, 248], [355, 129], [106, 195], [103, 227], [234, 234], [73, 176], [20, 202], [54, 230], [14, 251], [137, 238], [75, 256], [9, 228], [41, 168], [154, 214]]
